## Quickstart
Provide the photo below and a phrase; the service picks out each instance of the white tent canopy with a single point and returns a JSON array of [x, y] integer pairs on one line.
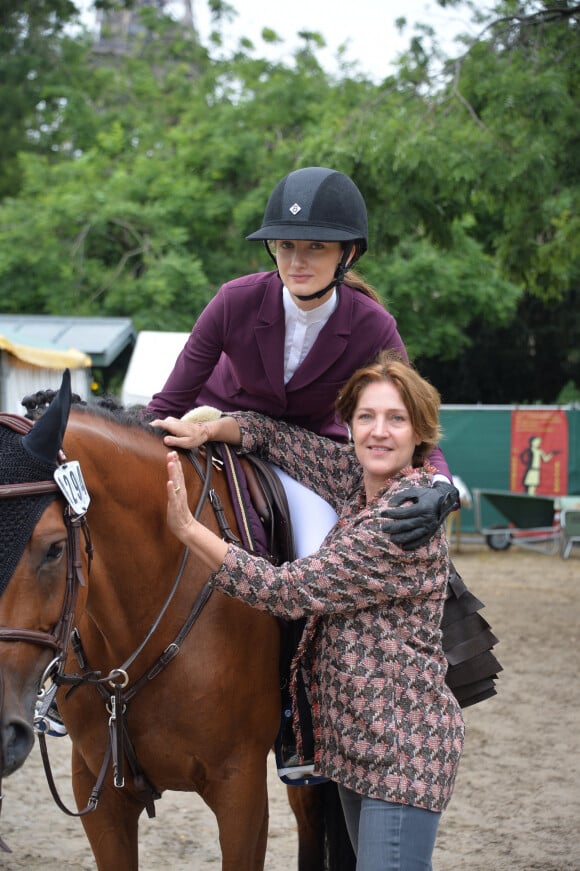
[[151, 362], [36, 349], [27, 367]]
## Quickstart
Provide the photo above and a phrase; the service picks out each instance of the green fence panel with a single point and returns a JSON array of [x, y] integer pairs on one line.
[[477, 441], [573, 416]]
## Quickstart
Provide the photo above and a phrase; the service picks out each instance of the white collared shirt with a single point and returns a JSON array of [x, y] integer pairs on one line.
[[302, 329]]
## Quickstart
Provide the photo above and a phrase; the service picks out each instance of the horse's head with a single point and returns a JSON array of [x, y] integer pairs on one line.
[[33, 568]]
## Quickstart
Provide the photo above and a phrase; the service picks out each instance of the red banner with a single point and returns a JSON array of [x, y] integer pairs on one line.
[[539, 452]]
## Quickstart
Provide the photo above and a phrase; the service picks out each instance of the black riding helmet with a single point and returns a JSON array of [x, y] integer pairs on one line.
[[319, 204]]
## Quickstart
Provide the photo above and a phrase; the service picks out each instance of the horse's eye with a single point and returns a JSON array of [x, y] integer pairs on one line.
[[55, 551]]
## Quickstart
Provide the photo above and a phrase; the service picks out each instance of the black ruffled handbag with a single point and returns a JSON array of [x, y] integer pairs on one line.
[[468, 643]]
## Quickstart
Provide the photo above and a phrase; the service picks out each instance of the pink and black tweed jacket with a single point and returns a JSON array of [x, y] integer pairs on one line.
[[386, 724]]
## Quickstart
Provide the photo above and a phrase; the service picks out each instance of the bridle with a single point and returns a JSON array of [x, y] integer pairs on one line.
[[58, 639], [62, 636]]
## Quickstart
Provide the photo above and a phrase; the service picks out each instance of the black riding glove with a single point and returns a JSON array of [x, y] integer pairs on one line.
[[415, 524]]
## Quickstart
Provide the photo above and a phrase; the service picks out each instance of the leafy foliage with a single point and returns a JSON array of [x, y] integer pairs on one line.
[[130, 180]]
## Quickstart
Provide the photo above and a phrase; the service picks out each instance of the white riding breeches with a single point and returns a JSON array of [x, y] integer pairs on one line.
[[311, 516]]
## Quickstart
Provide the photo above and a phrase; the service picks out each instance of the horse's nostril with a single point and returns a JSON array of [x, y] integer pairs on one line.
[[17, 742]]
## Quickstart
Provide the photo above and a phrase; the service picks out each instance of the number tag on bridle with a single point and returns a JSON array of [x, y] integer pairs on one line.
[[72, 484]]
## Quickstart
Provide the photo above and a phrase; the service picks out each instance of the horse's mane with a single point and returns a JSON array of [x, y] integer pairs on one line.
[[106, 408], [130, 418]]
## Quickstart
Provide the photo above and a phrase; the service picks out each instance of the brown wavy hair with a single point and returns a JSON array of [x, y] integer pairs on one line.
[[420, 398], [357, 282]]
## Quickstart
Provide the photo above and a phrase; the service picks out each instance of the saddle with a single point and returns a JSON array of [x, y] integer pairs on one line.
[[260, 506], [269, 499]]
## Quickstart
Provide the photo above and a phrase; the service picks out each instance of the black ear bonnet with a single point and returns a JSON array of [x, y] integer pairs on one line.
[[28, 459]]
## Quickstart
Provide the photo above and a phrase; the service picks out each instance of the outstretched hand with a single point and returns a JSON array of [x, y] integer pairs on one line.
[[209, 548], [179, 517], [414, 524]]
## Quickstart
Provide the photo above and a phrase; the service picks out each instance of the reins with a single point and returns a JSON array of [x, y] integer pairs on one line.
[[120, 745], [117, 697]]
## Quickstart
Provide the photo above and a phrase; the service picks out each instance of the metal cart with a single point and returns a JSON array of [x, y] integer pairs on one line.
[[517, 518]]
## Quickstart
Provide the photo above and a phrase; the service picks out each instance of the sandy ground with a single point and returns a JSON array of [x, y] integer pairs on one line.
[[516, 806]]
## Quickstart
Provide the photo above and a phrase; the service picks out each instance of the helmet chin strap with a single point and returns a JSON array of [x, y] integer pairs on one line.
[[319, 293], [341, 271]]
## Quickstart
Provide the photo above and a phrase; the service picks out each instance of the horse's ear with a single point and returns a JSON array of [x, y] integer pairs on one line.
[[44, 440]]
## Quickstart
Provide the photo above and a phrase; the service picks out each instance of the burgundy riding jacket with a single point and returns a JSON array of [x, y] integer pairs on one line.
[[234, 357]]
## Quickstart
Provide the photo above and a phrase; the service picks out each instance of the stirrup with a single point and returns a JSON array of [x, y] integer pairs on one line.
[[295, 770], [291, 770]]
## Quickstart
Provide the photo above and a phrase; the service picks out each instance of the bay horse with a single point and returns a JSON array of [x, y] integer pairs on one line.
[[166, 686]]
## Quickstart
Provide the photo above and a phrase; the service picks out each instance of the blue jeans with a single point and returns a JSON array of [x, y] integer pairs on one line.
[[386, 836]]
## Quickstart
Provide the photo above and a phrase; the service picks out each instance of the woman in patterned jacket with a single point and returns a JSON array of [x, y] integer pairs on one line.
[[388, 730]]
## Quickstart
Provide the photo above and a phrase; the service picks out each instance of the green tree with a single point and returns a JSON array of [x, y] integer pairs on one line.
[[149, 218], [484, 153], [142, 183], [519, 86], [31, 33]]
